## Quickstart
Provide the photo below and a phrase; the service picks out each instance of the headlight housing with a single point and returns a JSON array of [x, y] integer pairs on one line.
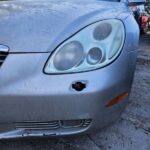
[[93, 47]]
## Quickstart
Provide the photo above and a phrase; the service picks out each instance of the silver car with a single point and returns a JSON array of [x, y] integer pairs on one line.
[[66, 66]]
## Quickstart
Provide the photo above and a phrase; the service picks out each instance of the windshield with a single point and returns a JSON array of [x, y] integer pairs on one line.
[[99, 0], [111, 0]]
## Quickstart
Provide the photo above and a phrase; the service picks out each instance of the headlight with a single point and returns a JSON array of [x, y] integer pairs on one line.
[[68, 56], [93, 47]]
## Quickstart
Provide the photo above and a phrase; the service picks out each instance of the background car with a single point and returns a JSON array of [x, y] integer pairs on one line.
[[142, 17], [144, 22]]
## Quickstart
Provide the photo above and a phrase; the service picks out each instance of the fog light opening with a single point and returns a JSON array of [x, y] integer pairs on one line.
[[78, 86], [117, 99], [71, 123]]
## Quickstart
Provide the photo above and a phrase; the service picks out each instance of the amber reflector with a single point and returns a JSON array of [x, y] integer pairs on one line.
[[117, 99]]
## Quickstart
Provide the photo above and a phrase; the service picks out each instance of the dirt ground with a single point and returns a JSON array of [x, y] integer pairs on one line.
[[130, 132]]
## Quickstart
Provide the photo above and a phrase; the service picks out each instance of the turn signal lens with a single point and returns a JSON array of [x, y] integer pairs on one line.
[[117, 99]]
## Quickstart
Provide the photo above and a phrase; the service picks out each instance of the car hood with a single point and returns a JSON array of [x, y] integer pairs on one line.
[[40, 26]]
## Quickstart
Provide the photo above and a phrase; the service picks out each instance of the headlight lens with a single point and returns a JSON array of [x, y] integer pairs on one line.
[[102, 31], [94, 55], [93, 47], [68, 56]]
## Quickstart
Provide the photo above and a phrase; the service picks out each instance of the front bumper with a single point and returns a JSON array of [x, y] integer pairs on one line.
[[29, 95]]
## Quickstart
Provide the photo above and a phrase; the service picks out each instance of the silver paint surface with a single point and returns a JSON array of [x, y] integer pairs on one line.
[[27, 94], [40, 26]]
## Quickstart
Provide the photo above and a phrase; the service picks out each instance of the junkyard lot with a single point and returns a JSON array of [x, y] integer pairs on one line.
[[131, 131]]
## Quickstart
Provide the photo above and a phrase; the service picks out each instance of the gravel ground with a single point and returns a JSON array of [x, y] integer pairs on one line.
[[130, 132]]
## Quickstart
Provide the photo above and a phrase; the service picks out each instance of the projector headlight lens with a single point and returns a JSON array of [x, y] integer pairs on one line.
[[94, 56], [102, 31], [93, 47], [68, 56]]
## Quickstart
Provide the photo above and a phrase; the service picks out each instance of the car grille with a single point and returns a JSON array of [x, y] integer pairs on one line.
[[52, 125], [3, 56], [37, 125]]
